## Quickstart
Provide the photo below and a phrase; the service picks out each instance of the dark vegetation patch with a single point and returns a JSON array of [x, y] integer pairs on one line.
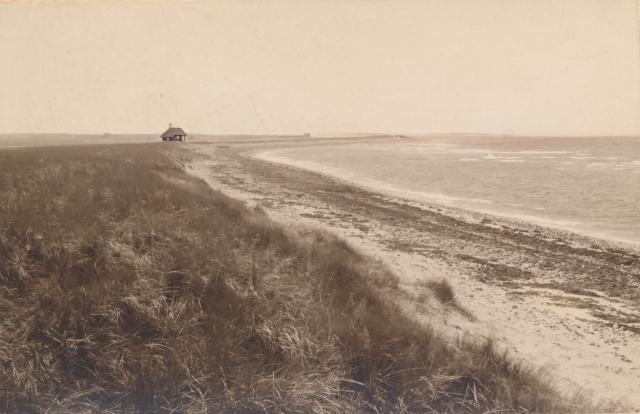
[[576, 290], [123, 291], [492, 272], [442, 290], [620, 320]]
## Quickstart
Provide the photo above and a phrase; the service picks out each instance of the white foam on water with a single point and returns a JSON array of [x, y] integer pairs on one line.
[[544, 152], [582, 157]]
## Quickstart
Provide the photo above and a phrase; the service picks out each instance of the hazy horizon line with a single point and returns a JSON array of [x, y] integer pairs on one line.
[[333, 134]]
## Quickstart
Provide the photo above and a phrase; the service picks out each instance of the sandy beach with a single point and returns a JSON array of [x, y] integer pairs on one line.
[[565, 303]]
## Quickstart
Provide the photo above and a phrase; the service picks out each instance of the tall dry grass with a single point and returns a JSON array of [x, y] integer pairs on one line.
[[128, 286]]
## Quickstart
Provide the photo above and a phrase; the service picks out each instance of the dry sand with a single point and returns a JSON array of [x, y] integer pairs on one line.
[[563, 302]]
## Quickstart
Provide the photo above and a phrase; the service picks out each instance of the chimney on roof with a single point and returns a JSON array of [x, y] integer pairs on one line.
[[170, 125]]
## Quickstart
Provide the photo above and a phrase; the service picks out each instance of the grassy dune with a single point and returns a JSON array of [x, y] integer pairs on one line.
[[128, 286]]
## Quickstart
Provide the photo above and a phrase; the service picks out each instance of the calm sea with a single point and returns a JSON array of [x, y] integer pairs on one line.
[[586, 185]]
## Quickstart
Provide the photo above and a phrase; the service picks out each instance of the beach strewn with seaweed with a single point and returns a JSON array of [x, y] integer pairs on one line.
[[558, 300]]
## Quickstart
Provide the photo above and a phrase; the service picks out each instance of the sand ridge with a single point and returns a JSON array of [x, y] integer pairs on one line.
[[538, 292]]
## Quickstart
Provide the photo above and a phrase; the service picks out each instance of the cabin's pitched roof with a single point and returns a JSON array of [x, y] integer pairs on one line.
[[173, 132]]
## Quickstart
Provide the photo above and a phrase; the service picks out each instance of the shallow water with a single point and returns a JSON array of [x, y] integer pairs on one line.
[[586, 185]]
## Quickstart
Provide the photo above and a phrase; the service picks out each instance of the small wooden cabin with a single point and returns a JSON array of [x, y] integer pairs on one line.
[[174, 134]]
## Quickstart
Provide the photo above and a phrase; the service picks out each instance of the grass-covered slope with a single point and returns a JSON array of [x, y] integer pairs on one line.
[[126, 285]]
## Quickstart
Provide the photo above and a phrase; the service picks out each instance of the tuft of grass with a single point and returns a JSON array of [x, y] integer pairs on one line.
[[442, 290], [128, 286]]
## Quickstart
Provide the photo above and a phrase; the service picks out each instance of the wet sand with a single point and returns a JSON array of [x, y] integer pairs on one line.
[[563, 302]]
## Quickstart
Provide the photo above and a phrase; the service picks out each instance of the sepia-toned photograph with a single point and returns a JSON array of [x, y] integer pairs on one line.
[[319, 206]]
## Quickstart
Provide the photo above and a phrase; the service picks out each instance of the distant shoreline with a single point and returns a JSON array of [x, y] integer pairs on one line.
[[423, 202], [27, 139]]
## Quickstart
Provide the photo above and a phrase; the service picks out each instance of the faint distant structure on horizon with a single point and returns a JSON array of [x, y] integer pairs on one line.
[[174, 134]]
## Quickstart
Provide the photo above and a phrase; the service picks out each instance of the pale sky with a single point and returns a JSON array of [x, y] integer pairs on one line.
[[553, 67]]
